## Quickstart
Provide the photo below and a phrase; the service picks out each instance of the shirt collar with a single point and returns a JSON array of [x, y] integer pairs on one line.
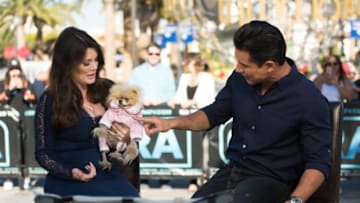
[[286, 81], [292, 77]]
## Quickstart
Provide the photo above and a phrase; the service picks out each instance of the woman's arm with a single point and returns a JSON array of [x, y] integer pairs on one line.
[[205, 94], [319, 81], [346, 90], [44, 141]]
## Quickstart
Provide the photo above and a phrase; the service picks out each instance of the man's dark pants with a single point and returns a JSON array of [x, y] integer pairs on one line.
[[245, 186]]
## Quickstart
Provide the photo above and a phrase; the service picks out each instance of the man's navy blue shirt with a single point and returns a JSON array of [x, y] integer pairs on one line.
[[278, 134]]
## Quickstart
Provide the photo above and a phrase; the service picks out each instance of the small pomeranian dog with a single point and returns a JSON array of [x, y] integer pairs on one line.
[[123, 103]]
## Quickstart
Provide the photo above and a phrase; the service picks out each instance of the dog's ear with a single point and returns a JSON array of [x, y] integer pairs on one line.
[[116, 88], [135, 92]]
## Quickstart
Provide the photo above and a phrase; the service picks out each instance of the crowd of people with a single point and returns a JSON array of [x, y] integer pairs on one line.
[[70, 100]]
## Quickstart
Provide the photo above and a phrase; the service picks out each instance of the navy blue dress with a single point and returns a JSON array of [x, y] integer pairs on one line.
[[72, 148]]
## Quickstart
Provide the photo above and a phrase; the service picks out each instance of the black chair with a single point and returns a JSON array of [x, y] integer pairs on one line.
[[329, 191], [131, 172]]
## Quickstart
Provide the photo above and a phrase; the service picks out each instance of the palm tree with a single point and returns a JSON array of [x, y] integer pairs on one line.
[[50, 13], [15, 13], [148, 14]]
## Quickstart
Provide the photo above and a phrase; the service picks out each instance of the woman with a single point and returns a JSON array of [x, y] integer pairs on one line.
[[196, 87], [67, 113], [333, 83], [18, 91]]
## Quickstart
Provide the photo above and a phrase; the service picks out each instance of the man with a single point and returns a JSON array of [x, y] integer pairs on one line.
[[280, 145], [155, 79]]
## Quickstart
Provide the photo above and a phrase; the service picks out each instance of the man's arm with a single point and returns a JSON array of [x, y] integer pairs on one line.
[[309, 182], [196, 121]]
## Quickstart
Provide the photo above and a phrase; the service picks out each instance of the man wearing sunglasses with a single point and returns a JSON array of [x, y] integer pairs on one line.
[[156, 80]]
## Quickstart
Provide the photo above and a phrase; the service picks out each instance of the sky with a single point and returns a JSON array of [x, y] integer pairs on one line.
[[92, 17]]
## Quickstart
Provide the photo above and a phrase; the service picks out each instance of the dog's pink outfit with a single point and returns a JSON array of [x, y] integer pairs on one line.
[[119, 114]]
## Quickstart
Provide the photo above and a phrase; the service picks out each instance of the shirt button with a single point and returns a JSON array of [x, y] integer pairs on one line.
[[259, 107], [244, 146], [252, 127]]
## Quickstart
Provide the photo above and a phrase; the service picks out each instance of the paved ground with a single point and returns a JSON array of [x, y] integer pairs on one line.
[[350, 193]]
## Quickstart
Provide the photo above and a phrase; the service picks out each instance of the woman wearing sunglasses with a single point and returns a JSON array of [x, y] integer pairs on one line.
[[333, 83]]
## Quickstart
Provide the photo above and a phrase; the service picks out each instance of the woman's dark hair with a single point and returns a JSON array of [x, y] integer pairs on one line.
[[198, 61], [69, 51], [262, 40], [22, 77]]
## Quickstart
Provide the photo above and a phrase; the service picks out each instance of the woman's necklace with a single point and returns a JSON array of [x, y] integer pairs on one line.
[[90, 109]]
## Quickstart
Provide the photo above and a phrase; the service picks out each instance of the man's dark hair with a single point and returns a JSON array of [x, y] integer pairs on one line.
[[262, 40], [153, 44]]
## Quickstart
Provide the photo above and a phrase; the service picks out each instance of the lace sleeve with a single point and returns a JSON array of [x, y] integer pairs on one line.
[[44, 144]]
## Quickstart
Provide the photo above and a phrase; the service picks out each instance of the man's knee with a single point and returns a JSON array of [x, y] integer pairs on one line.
[[261, 189]]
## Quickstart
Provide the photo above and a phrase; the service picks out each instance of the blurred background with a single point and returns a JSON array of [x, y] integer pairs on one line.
[[124, 28], [313, 29]]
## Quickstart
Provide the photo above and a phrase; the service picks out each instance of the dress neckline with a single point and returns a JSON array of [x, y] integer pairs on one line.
[[94, 118]]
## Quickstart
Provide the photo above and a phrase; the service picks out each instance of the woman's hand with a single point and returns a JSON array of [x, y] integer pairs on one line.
[[119, 133], [15, 83], [171, 103], [188, 104], [77, 174]]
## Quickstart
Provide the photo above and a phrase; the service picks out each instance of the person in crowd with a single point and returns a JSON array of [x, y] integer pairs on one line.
[[67, 112], [333, 83], [156, 80], [41, 81], [196, 87], [279, 149], [17, 90]]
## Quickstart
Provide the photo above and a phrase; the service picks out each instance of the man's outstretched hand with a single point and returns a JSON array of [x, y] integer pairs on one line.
[[154, 125]]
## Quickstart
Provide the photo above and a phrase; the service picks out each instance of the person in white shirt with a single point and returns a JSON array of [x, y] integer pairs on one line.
[[333, 83], [196, 87]]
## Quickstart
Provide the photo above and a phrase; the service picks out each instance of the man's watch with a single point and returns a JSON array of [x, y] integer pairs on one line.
[[294, 199]]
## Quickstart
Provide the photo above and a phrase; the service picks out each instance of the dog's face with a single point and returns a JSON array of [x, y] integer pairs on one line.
[[124, 96]]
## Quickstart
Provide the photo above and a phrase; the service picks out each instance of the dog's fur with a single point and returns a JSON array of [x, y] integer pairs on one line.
[[123, 103]]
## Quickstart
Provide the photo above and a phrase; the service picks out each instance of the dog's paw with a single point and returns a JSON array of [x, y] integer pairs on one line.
[[100, 132], [129, 157], [132, 149], [116, 155], [105, 165]]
